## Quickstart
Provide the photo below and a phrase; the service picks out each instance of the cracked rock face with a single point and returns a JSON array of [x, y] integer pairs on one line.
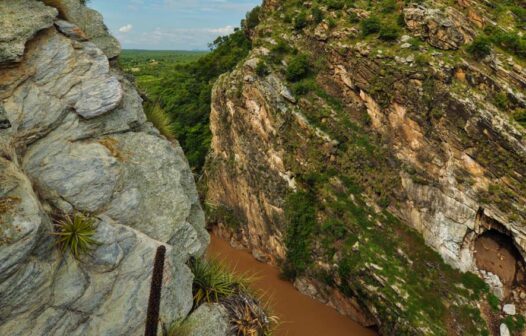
[[74, 137], [15, 30]]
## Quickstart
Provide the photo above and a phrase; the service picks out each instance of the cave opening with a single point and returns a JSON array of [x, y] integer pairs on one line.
[[495, 252]]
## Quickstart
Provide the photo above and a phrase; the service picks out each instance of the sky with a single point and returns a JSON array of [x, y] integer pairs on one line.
[[171, 24]]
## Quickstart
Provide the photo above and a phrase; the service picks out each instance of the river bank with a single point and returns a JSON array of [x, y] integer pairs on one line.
[[299, 315]]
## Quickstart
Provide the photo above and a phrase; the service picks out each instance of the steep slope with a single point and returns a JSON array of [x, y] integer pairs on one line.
[[355, 128], [74, 138]]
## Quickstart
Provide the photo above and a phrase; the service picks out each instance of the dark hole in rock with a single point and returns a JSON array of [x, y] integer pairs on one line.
[[4, 122], [495, 252]]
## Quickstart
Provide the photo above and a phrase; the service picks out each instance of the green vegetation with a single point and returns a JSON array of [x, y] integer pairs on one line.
[[213, 281], [515, 323], [301, 221], [300, 21], [520, 117], [262, 69], [480, 48], [371, 25], [493, 302], [389, 32], [75, 234], [252, 18], [160, 119], [298, 68], [180, 84]]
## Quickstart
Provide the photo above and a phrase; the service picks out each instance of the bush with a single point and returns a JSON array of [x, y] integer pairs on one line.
[[75, 234], [371, 25], [510, 42], [252, 18], [480, 48], [298, 68], [261, 69], [303, 87], [389, 6], [501, 100], [493, 302], [335, 4], [300, 21], [520, 116], [389, 32], [317, 14], [353, 17]]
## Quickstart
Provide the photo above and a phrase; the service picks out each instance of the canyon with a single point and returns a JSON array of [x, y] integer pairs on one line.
[[372, 153]]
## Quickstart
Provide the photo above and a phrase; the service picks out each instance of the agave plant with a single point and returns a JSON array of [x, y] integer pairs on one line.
[[75, 234]]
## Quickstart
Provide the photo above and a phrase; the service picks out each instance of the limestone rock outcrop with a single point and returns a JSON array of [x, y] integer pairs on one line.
[[385, 133], [74, 137]]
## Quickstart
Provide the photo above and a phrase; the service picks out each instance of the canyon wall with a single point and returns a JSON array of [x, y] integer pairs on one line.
[[404, 132]]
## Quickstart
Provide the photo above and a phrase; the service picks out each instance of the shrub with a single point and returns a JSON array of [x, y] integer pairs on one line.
[[501, 100], [515, 323], [389, 32], [160, 120], [303, 87], [353, 17], [252, 18], [335, 4], [389, 6], [261, 69], [371, 25], [520, 116], [75, 234], [494, 302], [212, 281], [480, 48], [300, 21], [317, 15], [510, 42], [298, 68]]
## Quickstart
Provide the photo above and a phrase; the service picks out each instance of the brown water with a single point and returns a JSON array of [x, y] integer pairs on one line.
[[299, 315]]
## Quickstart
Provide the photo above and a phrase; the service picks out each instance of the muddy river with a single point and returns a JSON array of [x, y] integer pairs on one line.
[[299, 315]]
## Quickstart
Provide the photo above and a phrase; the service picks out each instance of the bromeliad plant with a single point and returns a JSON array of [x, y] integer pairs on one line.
[[212, 281], [75, 233]]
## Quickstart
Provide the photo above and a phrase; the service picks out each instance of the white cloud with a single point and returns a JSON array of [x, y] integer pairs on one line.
[[173, 38], [126, 29], [222, 31]]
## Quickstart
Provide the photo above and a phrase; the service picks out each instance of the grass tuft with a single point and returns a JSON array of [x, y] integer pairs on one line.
[[212, 281], [160, 119]]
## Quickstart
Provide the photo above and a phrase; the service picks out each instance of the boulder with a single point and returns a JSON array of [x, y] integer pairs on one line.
[[74, 137], [90, 22], [209, 320], [20, 20]]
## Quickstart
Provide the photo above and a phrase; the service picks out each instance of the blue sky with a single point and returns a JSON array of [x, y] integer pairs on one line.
[[171, 24]]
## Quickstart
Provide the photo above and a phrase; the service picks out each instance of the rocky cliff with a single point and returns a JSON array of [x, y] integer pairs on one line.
[[74, 139], [355, 129]]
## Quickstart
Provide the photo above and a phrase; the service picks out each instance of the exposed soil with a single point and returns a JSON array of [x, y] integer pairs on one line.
[[299, 315], [496, 253]]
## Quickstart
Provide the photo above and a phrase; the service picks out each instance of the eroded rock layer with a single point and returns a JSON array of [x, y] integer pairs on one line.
[[335, 131]]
